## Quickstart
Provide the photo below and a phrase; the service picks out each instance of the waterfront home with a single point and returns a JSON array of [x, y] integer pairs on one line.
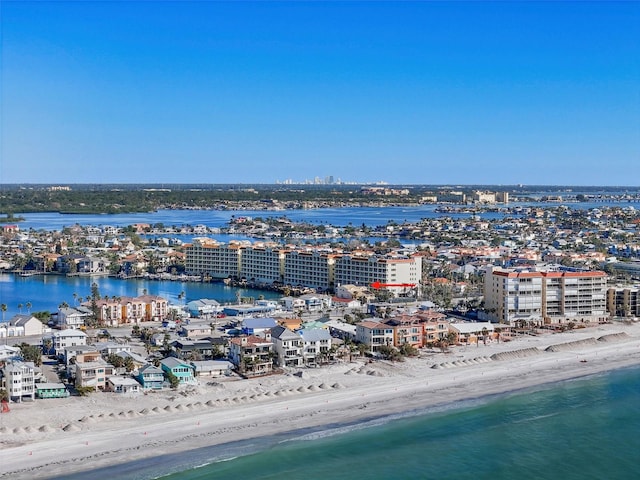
[[72, 318], [292, 303], [316, 344], [288, 347], [150, 377], [118, 384], [407, 330], [212, 368], [92, 371], [204, 307], [472, 332], [66, 338], [252, 355], [258, 326], [18, 380], [374, 335], [182, 370], [118, 310], [315, 302], [51, 390], [247, 310]]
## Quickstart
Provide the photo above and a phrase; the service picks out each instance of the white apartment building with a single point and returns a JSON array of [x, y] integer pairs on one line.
[[366, 268], [310, 268], [545, 297], [262, 263], [205, 256], [18, 380]]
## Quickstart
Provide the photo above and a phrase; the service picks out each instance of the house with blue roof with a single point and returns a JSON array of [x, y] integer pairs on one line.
[[258, 326]]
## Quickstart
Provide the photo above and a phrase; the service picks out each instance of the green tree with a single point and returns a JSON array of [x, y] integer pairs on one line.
[[31, 353], [3, 307], [173, 380]]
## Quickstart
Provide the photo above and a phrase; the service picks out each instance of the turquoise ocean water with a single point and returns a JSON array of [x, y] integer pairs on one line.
[[587, 428]]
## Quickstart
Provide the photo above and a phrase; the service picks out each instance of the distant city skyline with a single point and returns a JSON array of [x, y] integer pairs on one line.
[[495, 93]]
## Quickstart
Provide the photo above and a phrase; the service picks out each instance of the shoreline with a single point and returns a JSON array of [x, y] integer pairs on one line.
[[256, 410]]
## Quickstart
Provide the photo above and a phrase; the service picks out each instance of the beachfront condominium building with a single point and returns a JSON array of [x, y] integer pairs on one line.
[[623, 301], [513, 296], [18, 380], [366, 268], [262, 263], [309, 268], [208, 257]]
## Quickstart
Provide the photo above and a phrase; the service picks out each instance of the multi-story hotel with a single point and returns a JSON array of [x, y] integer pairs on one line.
[[545, 297], [308, 267]]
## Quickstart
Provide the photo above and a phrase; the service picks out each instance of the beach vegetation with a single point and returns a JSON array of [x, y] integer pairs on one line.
[[173, 380], [390, 353], [85, 391], [31, 353]]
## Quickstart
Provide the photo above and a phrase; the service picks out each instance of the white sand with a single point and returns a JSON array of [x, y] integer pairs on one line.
[[51, 437]]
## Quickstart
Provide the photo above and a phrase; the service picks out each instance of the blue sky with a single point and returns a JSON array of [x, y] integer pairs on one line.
[[404, 92]]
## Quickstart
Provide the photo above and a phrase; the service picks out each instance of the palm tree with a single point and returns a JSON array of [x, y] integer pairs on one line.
[[3, 307], [28, 305], [20, 308]]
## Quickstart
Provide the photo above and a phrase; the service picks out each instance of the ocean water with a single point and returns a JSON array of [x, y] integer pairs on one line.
[[586, 428]]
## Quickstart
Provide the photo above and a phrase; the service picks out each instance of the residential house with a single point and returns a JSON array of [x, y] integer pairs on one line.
[[182, 370], [258, 326], [252, 355], [212, 368], [340, 329], [204, 307], [92, 371], [21, 326], [73, 318], [18, 380], [316, 345], [374, 335], [195, 331], [122, 385], [472, 332], [8, 352], [407, 330], [288, 347], [51, 390], [67, 338], [150, 377], [193, 349]]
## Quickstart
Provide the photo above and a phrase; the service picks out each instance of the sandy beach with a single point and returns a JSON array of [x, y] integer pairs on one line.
[[50, 438]]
